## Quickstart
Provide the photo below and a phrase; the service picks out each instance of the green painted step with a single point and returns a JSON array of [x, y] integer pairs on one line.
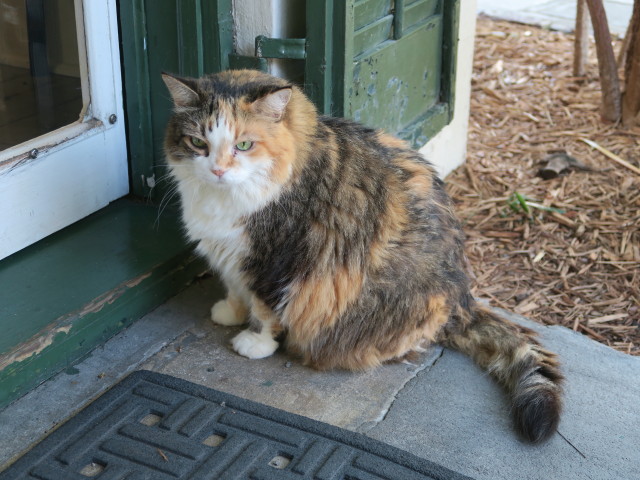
[[72, 291]]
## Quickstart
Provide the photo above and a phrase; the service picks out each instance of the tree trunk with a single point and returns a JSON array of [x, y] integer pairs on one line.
[[611, 109], [631, 98], [622, 53], [581, 42]]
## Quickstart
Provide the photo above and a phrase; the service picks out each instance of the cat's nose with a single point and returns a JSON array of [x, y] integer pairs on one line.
[[218, 172]]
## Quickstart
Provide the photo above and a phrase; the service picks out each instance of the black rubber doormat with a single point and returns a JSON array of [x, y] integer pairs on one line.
[[154, 427]]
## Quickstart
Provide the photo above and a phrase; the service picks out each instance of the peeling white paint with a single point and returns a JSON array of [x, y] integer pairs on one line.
[[111, 296], [151, 181], [31, 348], [37, 344]]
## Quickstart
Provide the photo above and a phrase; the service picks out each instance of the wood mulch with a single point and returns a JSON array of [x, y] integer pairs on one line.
[[564, 250]]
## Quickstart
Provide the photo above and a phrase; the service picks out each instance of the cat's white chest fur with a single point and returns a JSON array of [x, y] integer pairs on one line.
[[213, 219], [216, 218]]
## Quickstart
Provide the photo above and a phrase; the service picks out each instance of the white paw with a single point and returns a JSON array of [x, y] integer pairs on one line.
[[223, 314], [254, 345]]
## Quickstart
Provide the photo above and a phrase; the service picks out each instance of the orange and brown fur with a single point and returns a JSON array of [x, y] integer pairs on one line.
[[338, 237]]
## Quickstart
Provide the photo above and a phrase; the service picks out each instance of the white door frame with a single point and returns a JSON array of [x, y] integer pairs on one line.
[[56, 179]]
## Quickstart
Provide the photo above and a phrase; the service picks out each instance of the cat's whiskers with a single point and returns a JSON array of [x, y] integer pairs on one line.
[[166, 199], [167, 196], [195, 192], [278, 204], [167, 177]]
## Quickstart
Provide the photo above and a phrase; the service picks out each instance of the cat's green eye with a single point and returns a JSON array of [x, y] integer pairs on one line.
[[198, 142], [244, 146]]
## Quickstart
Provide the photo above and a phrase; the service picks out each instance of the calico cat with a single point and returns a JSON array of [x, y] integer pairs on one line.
[[337, 238]]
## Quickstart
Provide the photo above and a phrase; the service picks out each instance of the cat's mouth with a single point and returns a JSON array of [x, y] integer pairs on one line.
[[216, 180], [222, 179]]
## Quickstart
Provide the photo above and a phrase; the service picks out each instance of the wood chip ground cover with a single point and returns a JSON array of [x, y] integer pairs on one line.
[[564, 250]]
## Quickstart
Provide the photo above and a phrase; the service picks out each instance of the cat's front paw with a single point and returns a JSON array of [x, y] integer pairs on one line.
[[223, 314], [254, 345]]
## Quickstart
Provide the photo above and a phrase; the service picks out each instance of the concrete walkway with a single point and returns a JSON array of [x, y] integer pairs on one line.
[[443, 408], [555, 14]]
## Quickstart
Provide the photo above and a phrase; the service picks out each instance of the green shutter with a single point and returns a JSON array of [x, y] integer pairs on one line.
[[394, 69], [386, 63], [393, 64]]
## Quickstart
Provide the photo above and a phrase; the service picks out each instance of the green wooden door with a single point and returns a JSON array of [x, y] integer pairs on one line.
[[386, 63], [185, 37]]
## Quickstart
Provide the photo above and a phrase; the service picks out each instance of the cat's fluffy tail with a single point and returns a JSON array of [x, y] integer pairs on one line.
[[510, 353]]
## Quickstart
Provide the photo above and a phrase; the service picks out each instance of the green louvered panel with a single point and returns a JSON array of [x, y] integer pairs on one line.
[[367, 12], [416, 12], [370, 36], [399, 82], [386, 63]]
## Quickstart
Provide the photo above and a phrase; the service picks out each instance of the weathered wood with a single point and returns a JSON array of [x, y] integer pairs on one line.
[[622, 53], [581, 42], [631, 98], [611, 99]]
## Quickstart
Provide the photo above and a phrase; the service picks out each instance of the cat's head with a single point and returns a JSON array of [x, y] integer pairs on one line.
[[235, 130]]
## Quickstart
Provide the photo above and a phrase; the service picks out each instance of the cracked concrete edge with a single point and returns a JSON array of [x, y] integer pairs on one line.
[[438, 352], [435, 353]]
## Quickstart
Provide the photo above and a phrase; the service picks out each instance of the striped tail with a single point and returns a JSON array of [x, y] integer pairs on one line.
[[510, 353]]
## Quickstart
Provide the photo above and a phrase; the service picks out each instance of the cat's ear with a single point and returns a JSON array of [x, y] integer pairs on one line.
[[273, 104], [181, 90]]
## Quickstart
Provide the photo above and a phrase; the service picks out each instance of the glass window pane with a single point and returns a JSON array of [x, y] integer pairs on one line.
[[40, 81]]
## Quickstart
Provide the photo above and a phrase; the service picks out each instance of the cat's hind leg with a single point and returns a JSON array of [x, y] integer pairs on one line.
[[257, 341], [229, 312]]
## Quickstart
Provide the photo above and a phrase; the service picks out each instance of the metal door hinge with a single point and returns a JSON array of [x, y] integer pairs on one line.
[[292, 48], [289, 48]]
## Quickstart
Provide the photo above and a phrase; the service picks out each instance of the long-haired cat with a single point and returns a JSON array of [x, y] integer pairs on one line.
[[337, 238]]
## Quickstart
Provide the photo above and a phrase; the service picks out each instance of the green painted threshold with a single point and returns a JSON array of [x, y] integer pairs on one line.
[[70, 292]]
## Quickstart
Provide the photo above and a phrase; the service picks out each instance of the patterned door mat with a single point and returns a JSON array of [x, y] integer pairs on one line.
[[154, 427]]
